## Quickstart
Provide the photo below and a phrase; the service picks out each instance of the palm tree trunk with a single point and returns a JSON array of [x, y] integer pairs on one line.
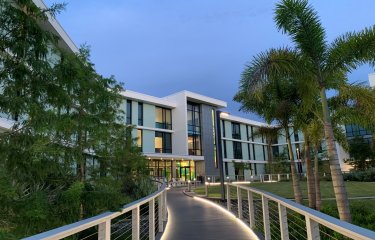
[[318, 197], [269, 148], [310, 175], [334, 163], [295, 179]]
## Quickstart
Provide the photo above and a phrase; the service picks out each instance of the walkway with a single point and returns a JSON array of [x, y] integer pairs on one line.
[[189, 218]]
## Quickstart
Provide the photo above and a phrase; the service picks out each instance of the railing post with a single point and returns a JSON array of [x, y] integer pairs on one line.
[[104, 231], [278, 177], [287, 176], [251, 209], [270, 178], [312, 229], [228, 197], [151, 219], [283, 218], [165, 206], [135, 223], [239, 201], [266, 218], [160, 212]]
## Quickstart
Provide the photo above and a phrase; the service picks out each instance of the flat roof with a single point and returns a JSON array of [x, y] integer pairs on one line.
[[199, 98], [148, 99], [227, 116]]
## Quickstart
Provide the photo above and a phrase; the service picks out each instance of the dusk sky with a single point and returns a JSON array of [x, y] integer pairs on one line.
[[159, 47]]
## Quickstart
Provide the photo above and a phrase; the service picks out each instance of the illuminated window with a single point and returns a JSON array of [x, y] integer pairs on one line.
[[163, 118], [163, 142], [139, 138]]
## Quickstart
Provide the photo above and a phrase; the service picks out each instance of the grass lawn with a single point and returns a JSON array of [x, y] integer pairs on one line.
[[284, 189]]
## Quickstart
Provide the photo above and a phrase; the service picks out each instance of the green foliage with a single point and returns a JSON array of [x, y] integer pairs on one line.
[[68, 155], [362, 154], [361, 176]]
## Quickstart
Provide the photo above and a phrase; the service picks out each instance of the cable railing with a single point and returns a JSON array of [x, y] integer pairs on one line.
[[139, 220], [273, 217], [277, 177]]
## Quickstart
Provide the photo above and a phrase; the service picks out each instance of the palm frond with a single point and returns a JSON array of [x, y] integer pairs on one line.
[[354, 104], [350, 50], [274, 62], [301, 22]]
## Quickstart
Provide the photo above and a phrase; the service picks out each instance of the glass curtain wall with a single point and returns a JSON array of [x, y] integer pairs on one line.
[[194, 129], [163, 118]]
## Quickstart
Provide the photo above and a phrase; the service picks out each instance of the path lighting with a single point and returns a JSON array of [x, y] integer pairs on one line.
[[189, 186], [207, 185], [195, 182], [227, 178]]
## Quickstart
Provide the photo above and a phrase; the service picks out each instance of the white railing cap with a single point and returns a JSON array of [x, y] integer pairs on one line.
[[345, 228]]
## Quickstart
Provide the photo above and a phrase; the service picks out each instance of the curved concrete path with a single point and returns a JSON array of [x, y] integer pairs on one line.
[[189, 219]]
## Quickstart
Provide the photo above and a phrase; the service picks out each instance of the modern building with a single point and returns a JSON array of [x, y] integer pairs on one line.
[[179, 133]]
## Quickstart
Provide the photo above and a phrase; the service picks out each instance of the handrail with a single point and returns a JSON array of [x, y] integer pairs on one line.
[[73, 228], [344, 228], [347, 229]]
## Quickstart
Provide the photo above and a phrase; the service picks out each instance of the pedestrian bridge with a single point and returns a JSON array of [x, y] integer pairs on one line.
[[246, 213]]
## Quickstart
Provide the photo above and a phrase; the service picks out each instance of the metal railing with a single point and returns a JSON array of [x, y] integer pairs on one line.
[[278, 177], [274, 217], [141, 219]]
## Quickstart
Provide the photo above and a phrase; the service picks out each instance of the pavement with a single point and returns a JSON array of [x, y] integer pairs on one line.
[[190, 219]]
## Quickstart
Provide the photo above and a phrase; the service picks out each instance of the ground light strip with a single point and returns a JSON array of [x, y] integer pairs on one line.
[[239, 221], [168, 226]]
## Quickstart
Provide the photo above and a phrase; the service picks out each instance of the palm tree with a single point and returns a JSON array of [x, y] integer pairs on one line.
[[270, 133], [317, 66], [276, 101]]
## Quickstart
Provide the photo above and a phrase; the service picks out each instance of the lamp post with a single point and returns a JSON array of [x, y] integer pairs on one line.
[[189, 186], [207, 185]]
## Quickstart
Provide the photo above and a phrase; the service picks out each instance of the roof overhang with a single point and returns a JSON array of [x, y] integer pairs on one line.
[[164, 156], [54, 26], [147, 99]]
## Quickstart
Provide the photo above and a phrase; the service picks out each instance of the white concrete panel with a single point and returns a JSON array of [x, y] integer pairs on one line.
[[229, 149], [134, 113], [148, 141], [243, 132], [371, 79], [148, 115], [179, 123], [228, 129], [245, 151]]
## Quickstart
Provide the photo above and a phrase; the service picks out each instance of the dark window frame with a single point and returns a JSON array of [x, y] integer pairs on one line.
[[165, 148], [164, 124], [194, 129], [140, 114], [237, 150], [129, 112], [236, 130]]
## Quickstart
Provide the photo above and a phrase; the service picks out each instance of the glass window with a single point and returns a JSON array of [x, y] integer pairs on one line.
[[236, 133], [140, 114], [128, 112], [139, 138], [225, 148], [223, 128], [237, 150], [194, 127], [163, 118], [163, 142]]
